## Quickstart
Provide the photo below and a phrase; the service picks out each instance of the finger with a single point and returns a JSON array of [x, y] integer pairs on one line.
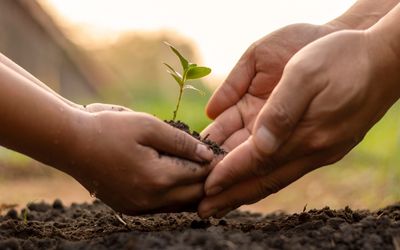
[[224, 125], [282, 111], [236, 139], [178, 172], [241, 163], [98, 107], [179, 199], [245, 161], [234, 87], [165, 138], [224, 212], [256, 188], [183, 195]]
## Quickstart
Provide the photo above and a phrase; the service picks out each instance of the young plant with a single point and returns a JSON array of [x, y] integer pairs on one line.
[[190, 71]]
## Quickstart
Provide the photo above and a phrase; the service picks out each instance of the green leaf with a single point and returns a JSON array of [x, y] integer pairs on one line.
[[173, 70], [197, 72], [184, 61], [177, 78], [175, 74], [188, 86]]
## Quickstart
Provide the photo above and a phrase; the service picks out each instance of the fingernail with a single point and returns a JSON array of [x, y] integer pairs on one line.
[[204, 152], [266, 141], [209, 213], [214, 191]]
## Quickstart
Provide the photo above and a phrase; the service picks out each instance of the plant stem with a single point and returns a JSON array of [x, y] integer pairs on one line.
[[178, 103]]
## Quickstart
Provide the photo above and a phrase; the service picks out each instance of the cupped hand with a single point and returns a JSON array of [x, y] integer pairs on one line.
[[237, 102], [331, 93], [137, 163]]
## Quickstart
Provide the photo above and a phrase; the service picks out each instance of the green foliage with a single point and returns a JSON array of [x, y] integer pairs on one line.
[[26, 211], [25, 215], [190, 71], [157, 101]]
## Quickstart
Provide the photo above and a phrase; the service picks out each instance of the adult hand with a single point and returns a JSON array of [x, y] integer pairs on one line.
[[119, 157], [237, 102], [331, 93]]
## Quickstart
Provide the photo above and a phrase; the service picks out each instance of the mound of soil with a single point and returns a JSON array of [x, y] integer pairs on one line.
[[184, 127], [95, 226]]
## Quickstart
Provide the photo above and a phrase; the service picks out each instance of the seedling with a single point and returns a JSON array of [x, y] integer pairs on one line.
[[25, 215], [190, 71]]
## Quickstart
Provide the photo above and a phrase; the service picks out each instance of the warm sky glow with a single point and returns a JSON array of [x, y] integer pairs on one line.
[[221, 29]]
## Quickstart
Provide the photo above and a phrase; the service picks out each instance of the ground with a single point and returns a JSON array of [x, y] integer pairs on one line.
[[95, 226]]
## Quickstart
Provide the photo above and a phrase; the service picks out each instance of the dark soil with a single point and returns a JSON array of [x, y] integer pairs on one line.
[[96, 226], [212, 145]]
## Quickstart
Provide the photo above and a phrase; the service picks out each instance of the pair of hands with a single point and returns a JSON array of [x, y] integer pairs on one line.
[[283, 111], [282, 116]]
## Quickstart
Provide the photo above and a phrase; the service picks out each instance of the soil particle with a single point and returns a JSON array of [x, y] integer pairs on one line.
[[12, 214], [57, 204], [197, 224], [95, 226], [211, 145]]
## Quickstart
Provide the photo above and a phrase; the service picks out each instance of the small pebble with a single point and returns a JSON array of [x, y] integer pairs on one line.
[[57, 204], [13, 214]]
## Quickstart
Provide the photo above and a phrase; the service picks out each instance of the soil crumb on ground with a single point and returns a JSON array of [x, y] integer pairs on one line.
[[96, 226], [212, 145]]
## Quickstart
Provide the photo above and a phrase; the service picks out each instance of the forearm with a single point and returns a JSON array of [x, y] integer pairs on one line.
[[34, 121], [363, 14], [7, 62]]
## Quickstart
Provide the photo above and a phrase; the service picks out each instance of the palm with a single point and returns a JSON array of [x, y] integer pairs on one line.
[[236, 104]]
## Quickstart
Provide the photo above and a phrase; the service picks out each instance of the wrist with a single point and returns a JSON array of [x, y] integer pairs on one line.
[[384, 62], [386, 33], [363, 14], [72, 139], [353, 21]]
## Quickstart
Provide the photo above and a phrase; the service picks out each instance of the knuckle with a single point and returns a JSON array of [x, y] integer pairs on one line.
[[160, 182], [303, 72], [182, 143], [294, 66], [301, 67], [229, 88], [253, 48], [280, 117], [257, 48], [147, 125], [319, 141]]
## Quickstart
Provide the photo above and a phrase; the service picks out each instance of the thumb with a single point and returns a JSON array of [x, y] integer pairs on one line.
[[283, 110]]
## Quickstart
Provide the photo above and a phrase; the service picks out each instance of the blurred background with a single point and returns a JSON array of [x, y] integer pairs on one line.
[[112, 51]]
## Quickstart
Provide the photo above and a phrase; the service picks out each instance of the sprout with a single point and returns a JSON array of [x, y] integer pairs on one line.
[[189, 71]]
